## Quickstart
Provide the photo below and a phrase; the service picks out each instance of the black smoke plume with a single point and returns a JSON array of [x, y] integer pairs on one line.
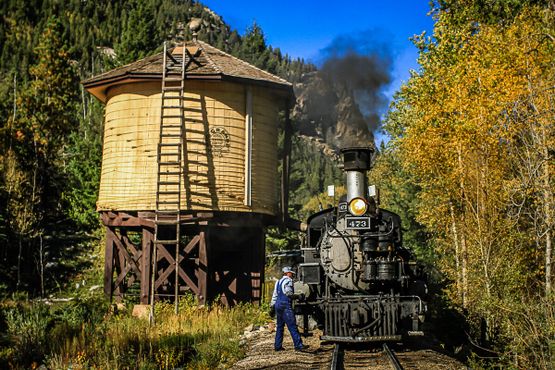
[[343, 100]]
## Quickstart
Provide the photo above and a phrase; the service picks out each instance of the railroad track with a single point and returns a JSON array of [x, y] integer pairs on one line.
[[363, 359], [392, 358]]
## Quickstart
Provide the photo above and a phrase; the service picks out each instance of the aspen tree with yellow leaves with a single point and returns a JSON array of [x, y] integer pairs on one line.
[[475, 128]]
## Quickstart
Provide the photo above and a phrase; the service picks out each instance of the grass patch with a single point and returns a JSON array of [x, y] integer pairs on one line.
[[82, 334]]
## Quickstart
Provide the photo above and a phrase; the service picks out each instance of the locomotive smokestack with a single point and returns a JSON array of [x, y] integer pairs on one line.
[[356, 162]]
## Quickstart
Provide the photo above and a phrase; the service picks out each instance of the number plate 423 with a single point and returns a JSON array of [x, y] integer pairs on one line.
[[357, 223]]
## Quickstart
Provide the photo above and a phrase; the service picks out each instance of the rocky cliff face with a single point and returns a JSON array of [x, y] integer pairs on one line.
[[329, 115], [340, 103]]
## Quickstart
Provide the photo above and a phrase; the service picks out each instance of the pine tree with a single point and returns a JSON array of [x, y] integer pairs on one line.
[[254, 48], [139, 36], [47, 115], [84, 154]]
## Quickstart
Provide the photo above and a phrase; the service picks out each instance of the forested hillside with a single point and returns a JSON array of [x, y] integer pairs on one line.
[[50, 129]]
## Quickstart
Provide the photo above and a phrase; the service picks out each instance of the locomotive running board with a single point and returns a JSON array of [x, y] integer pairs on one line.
[[382, 338]]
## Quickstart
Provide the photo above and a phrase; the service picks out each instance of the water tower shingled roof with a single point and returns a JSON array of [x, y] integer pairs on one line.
[[203, 62]]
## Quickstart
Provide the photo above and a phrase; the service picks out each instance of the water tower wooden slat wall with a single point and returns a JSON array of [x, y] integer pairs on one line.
[[229, 188]]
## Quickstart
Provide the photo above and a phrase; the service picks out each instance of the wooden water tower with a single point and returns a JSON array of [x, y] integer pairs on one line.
[[189, 173]]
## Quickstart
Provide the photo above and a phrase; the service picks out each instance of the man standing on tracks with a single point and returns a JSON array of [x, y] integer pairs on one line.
[[281, 302]]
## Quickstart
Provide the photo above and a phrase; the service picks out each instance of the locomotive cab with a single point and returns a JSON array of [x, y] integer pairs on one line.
[[363, 284]]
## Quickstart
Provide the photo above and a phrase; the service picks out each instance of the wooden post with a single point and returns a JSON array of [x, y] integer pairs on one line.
[[147, 242], [119, 265], [261, 263], [257, 265], [203, 275], [109, 262]]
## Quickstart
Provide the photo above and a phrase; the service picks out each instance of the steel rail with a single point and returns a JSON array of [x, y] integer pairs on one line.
[[392, 358], [336, 360]]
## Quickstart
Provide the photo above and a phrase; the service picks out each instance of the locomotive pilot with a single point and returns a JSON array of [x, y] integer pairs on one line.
[[281, 302]]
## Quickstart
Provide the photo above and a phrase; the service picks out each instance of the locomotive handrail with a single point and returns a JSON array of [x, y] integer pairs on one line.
[[389, 232], [382, 298], [358, 236]]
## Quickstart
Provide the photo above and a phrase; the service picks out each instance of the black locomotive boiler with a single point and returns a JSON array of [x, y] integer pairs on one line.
[[361, 284]]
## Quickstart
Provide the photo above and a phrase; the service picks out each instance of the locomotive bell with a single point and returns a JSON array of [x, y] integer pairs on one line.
[[356, 161]]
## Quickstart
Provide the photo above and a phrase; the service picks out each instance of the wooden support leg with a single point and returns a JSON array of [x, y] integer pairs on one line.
[[257, 267], [109, 263], [147, 243], [203, 268], [232, 289], [119, 266]]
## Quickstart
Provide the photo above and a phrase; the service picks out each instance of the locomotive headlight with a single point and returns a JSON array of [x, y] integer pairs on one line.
[[358, 206]]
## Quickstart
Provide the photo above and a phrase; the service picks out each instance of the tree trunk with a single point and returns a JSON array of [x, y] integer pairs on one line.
[[464, 273], [41, 260], [464, 251], [548, 210], [14, 97], [19, 262], [457, 252]]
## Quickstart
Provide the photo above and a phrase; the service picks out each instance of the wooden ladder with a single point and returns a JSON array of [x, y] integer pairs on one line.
[[170, 166]]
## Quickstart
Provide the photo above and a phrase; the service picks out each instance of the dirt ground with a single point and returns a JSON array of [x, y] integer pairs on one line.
[[259, 342], [261, 354]]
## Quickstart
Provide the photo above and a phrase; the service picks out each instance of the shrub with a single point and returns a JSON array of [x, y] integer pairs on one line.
[[531, 333], [27, 329]]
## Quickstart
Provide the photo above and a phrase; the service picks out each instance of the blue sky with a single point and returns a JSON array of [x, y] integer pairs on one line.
[[306, 28]]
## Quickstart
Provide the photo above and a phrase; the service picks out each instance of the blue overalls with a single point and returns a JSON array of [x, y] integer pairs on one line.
[[285, 315]]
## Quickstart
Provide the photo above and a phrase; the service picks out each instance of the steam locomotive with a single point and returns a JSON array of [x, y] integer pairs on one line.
[[361, 284]]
